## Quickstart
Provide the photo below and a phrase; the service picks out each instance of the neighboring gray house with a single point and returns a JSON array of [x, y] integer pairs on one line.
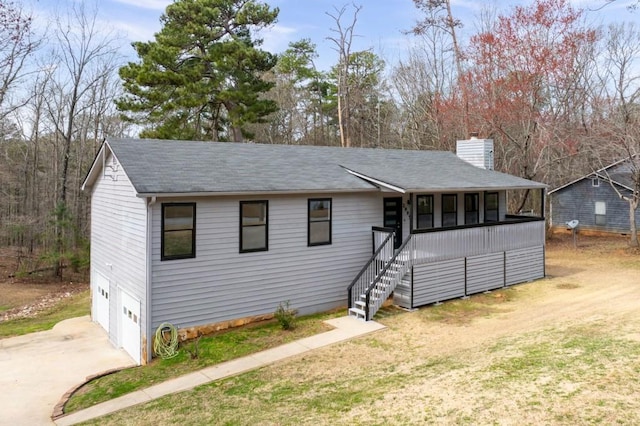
[[205, 235], [593, 201]]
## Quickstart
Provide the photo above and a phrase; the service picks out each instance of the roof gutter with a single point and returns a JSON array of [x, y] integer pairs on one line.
[[376, 181], [247, 193], [329, 191], [473, 189]]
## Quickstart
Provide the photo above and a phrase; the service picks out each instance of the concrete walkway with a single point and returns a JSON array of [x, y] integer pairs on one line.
[[38, 368], [345, 328]]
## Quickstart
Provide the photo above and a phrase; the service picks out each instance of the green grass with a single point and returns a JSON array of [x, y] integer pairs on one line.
[[576, 371], [263, 395], [577, 374], [289, 397], [75, 306], [213, 349]]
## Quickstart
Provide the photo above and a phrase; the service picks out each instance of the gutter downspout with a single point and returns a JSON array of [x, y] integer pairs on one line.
[[412, 206], [150, 202]]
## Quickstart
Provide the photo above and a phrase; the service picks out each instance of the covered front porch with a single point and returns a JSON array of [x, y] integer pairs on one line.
[[436, 264], [447, 232]]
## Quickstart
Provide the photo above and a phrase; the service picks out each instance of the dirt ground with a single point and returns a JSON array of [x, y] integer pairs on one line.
[[24, 295], [594, 287], [471, 368], [582, 282]]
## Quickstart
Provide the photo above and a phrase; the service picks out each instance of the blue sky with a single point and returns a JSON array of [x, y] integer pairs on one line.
[[379, 27]]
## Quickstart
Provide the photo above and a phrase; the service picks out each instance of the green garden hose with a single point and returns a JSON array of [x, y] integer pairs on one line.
[[166, 346]]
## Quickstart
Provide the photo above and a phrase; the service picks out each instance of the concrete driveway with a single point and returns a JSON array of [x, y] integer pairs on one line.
[[38, 368]]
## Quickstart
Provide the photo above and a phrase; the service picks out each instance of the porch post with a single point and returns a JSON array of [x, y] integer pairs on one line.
[[543, 194], [411, 212]]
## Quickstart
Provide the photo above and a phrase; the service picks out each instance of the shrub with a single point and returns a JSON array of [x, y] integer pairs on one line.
[[285, 315], [193, 348]]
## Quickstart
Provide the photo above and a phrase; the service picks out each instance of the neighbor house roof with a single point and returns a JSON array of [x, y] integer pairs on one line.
[[617, 173], [163, 167]]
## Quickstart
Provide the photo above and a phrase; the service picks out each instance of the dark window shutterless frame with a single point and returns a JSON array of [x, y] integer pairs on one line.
[[178, 238], [491, 207], [254, 226], [471, 208], [449, 210], [424, 211], [319, 221]]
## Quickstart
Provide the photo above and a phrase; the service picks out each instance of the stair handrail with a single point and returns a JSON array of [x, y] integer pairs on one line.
[[366, 266], [381, 274]]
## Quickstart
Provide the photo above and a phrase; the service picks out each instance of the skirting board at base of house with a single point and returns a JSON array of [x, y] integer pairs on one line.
[[562, 230]]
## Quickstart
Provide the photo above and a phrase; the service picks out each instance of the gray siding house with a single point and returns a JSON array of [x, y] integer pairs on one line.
[[209, 235], [594, 202]]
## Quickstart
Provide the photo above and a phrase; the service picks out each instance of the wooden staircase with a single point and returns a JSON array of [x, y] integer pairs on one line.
[[380, 291]]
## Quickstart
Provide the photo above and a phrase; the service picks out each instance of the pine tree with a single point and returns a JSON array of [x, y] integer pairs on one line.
[[200, 79]]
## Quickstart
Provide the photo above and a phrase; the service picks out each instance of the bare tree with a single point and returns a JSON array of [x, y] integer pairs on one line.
[[299, 119], [18, 42], [87, 61], [343, 40], [420, 82], [632, 6], [618, 130], [87, 58], [438, 15], [526, 77]]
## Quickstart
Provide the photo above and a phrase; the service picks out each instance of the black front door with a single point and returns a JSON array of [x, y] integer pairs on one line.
[[393, 217]]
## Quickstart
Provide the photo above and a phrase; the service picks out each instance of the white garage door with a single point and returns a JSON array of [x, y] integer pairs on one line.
[[130, 325], [101, 301]]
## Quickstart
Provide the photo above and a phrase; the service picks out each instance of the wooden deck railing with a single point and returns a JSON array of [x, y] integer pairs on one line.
[[379, 235], [371, 269], [442, 244], [393, 270], [434, 245]]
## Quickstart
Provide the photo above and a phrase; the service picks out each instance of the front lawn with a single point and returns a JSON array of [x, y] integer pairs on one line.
[[562, 350], [213, 349]]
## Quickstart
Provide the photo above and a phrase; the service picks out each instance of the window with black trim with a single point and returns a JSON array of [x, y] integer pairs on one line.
[[424, 211], [319, 221], [491, 202], [449, 210], [178, 239], [471, 209], [254, 229]]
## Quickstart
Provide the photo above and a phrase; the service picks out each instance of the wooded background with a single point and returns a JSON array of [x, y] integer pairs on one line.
[[559, 97]]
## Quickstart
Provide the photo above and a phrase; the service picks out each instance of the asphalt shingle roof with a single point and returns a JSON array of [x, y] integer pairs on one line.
[[620, 173], [172, 167]]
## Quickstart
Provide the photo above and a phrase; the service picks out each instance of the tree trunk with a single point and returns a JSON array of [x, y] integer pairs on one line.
[[633, 240], [237, 134], [341, 123], [458, 57]]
